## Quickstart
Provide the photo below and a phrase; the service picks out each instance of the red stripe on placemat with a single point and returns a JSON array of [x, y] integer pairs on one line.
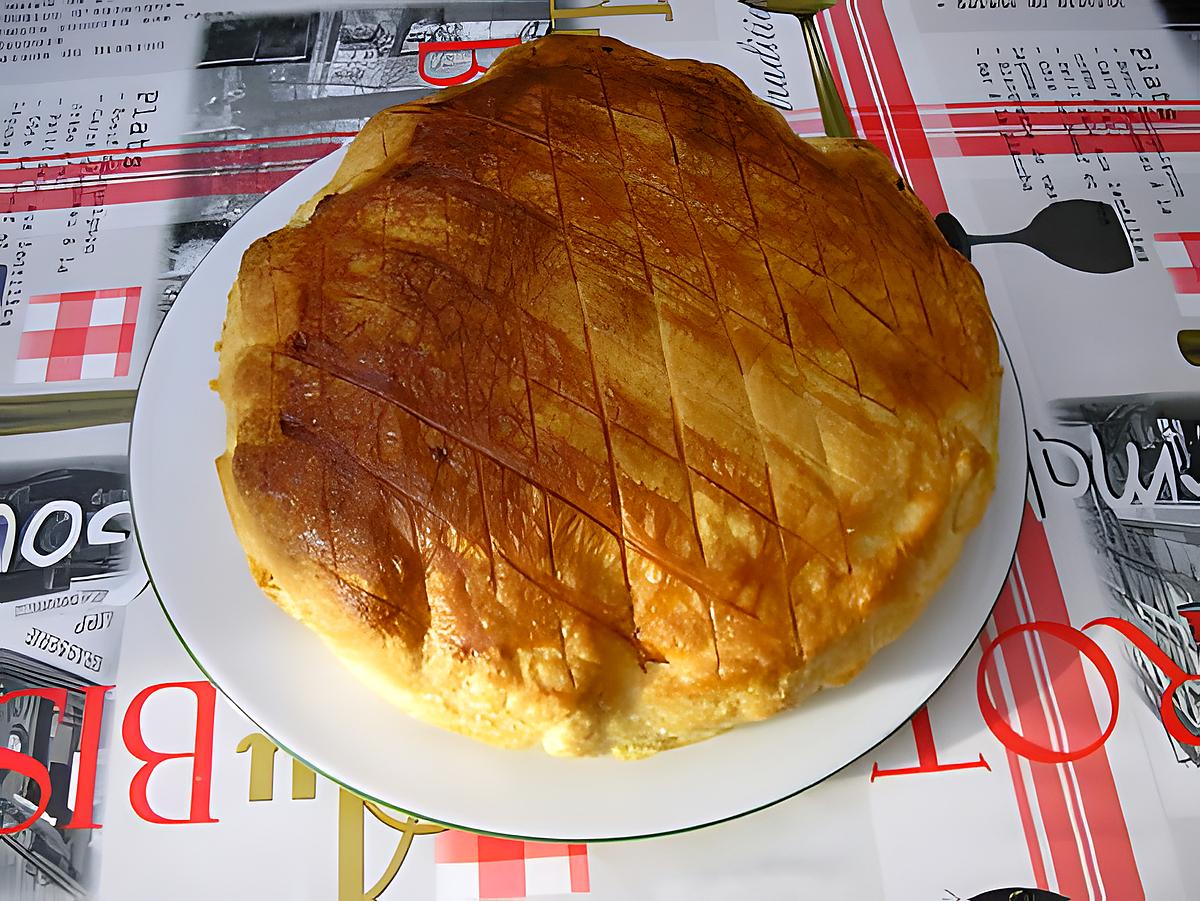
[[870, 124], [1031, 839], [1187, 281], [246, 158], [987, 113], [502, 877], [1044, 117], [893, 87], [939, 123], [970, 104], [492, 848], [453, 846], [1059, 144], [578, 859], [1097, 787], [1051, 799], [546, 849], [189, 145], [1024, 811], [1189, 240], [144, 190]]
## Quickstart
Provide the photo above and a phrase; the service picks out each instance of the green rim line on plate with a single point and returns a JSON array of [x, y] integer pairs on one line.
[[837, 124], [590, 841]]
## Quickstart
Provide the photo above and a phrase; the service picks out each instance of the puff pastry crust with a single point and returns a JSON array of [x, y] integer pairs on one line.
[[588, 407]]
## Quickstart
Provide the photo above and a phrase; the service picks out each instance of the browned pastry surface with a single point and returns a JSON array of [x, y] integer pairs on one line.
[[589, 407]]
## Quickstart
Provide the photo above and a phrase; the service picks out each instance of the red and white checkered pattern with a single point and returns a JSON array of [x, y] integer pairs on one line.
[[78, 335], [471, 867], [1180, 254]]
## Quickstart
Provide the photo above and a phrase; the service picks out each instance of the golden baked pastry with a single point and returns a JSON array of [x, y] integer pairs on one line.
[[588, 407]]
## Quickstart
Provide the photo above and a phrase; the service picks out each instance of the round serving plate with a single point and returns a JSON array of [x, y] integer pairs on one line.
[[282, 676]]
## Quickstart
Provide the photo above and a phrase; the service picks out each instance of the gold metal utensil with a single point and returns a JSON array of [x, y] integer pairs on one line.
[[55, 412], [833, 112]]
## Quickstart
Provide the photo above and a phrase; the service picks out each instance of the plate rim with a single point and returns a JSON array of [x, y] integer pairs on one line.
[[420, 817]]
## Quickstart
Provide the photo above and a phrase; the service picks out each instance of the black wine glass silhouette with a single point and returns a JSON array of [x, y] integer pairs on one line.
[[1085, 235]]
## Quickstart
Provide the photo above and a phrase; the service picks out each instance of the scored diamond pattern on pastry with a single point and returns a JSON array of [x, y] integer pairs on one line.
[[597, 358]]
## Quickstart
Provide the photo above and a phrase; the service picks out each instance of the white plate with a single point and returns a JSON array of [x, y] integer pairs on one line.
[[283, 677]]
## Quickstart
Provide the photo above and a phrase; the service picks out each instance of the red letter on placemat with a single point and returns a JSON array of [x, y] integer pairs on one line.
[[1018, 743], [89, 751], [26, 765], [927, 758], [425, 48], [1174, 673], [201, 754]]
